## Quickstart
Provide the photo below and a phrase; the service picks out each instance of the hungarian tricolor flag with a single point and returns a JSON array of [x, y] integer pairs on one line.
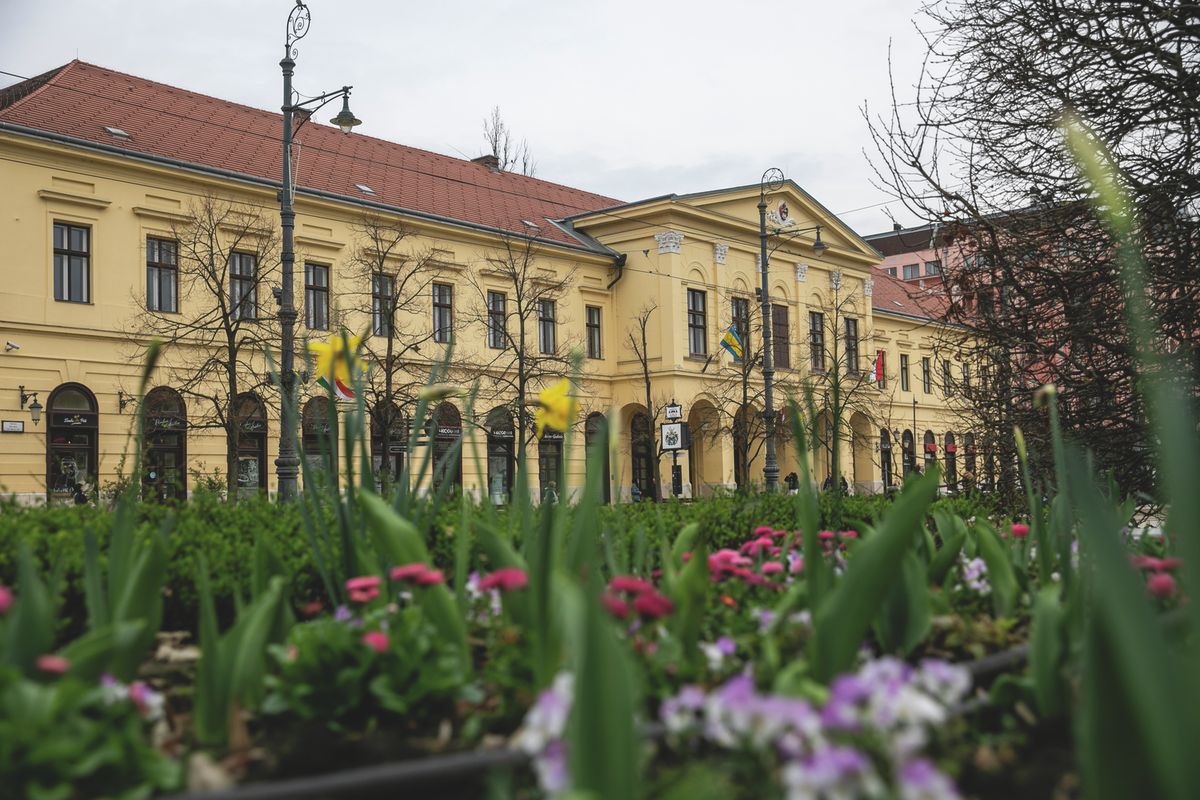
[[877, 373]]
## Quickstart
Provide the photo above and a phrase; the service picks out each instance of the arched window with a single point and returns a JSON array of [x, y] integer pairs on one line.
[[318, 437], [885, 457], [550, 474], [500, 440], [951, 462], [72, 440], [164, 467], [908, 452], [969, 477], [389, 443], [251, 417], [641, 442], [930, 451], [446, 430], [595, 435]]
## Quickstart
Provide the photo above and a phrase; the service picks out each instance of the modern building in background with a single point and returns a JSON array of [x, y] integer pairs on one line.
[[108, 178]]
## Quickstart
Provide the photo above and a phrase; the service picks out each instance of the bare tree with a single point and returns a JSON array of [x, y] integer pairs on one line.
[[520, 315], [217, 328], [389, 286], [511, 156], [1032, 275], [639, 342]]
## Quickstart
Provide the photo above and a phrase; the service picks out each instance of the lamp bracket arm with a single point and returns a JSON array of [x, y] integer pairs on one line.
[[316, 103]]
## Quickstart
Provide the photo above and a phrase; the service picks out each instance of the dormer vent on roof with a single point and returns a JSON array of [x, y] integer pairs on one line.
[[490, 160], [117, 132]]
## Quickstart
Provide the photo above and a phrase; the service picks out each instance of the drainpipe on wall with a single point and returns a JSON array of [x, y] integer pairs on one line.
[[620, 265]]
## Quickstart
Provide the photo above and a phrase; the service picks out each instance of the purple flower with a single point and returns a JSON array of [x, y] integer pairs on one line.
[[921, 780], [831, 771], [726, 646], [343, 614], [551, 766]]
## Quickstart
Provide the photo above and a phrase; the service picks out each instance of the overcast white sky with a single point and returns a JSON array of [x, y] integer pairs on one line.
[[628, 99]]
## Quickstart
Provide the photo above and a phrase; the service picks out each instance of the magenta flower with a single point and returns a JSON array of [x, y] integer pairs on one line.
[[653, 605], [363, 589], [6, 599], [408, 572], [53, 665], [1161, 585], [376, 640], [764, 530], [506, 579], [630, 584], [1020, 530], [848, 534], [431, 577], [615, 605], [772, 568], [825, 536], [1156, 564]]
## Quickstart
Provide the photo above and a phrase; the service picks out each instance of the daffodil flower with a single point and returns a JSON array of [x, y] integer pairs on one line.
[[556, 407]]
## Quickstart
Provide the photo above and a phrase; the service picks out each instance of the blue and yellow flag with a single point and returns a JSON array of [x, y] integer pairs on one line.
[[733, 343]]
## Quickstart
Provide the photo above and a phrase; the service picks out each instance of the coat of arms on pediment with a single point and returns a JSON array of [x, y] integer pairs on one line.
[[781, 216]]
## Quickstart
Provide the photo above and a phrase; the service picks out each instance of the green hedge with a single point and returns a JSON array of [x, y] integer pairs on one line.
[[225, 534]]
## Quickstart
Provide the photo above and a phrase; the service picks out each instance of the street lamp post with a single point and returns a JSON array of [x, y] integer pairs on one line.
[[287, 465], [772, 180]]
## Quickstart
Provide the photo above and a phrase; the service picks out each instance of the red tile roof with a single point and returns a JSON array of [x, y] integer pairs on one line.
[[80, 99], [909, 298]]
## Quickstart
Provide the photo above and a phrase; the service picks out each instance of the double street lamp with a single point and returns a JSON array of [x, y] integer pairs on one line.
[[287, 465], [773, 180]]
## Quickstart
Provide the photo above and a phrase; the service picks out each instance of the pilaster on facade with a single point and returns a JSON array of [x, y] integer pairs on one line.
[[720, 252], [669, 242], [801, 272]]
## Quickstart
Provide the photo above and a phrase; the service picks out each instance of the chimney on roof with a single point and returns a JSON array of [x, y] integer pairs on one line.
[[896, 226], [490, 160]]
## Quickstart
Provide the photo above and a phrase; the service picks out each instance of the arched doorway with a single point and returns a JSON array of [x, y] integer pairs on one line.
[[969, 477], [930, 451], [595, 435], [72, 440], [500, 440], [862, 459], [908, 451], [951, 450], [318, 437], [885, 458], [641, 446], [251, 417], [550, 474], [389, 444], [164, 468], [704, 452], [445, 430]]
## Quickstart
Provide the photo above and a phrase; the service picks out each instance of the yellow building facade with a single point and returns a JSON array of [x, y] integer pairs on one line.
[[98, 232]]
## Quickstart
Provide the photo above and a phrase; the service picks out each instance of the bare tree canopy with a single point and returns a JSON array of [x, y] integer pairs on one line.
[[511, 155], [976, 147]]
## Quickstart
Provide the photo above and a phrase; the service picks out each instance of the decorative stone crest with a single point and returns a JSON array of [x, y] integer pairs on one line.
[[801, 273], [868, 286], [780, 216], [668, 241], [720, 251], [835, 280]]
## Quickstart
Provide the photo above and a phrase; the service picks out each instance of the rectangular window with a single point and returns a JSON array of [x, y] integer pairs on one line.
[[926, 376], [595, 348], [946, 380], [740, 307], [243, 290], [72, 263], [852, 365], [162, 275], [912, 271], [443, 312], [891, 271], [816, 340], [779, 337], [697, 322], [497, 306], [382, 288], [316, 296], [904, 372], [966, 376], [547, 333], [933, 267]]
